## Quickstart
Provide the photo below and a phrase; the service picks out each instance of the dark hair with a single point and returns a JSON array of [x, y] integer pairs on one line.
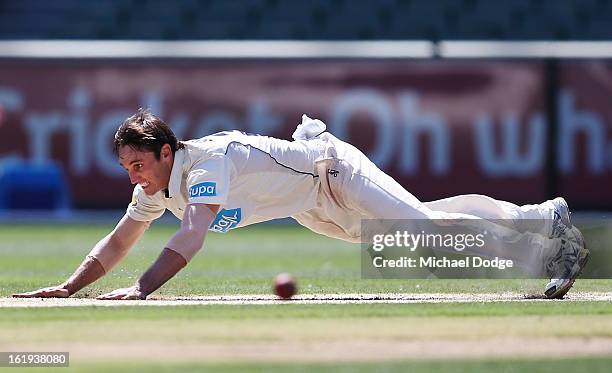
[[146, 132]]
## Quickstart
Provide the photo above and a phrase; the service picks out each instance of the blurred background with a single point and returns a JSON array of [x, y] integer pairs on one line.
[[506, 98]]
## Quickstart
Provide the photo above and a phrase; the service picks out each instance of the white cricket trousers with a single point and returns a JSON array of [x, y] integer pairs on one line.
[[353, 188]]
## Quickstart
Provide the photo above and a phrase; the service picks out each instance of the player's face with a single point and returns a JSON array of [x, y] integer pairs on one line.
[[143, 168]]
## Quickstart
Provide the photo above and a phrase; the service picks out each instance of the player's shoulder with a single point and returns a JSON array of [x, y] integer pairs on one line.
[[213, 144], [144, 207], [216, 147]]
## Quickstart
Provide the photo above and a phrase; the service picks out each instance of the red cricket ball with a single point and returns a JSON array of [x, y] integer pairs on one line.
[[285, 286]]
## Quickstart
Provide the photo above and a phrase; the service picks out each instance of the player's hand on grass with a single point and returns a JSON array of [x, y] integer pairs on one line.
[[133, 292], [50, 292]]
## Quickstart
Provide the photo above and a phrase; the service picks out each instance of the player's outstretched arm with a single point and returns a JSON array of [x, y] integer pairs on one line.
[[178, 252], [102, 258]]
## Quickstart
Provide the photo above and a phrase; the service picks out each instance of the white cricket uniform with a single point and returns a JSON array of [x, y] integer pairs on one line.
[[253, 178], [324, 183]]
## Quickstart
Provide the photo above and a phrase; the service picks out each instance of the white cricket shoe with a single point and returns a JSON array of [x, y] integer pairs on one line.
[[561, 220], [567, 263]]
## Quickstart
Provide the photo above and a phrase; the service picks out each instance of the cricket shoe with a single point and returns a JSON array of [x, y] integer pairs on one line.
[[561, 217], [566, 264]]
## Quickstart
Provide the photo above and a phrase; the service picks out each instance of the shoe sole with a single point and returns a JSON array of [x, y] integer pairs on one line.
[[559, 293]]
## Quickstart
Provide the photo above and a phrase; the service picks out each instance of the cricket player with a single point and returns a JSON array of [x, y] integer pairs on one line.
[[232, 179]]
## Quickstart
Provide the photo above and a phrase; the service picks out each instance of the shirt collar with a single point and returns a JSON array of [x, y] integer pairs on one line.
[[176, 175]]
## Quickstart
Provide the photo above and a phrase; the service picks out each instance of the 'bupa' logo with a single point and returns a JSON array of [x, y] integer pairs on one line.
[[226, 220], [207, 189]]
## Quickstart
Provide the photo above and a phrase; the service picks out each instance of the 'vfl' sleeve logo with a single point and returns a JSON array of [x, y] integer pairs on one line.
[[207, 189]]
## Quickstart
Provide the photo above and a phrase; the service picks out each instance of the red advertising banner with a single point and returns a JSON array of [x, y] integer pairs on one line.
[[439, 128], [584, 144]]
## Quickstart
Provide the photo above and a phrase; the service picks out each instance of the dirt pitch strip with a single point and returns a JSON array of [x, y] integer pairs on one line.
[[304, 299]]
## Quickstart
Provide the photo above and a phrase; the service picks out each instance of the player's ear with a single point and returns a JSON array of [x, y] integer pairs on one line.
[[166, 150]]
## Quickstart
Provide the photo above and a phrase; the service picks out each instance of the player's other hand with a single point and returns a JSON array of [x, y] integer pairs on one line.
[[50, 292], [133, 292]]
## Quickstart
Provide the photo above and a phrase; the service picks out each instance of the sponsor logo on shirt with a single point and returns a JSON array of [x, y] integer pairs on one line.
[[207, 189], [226, 220]]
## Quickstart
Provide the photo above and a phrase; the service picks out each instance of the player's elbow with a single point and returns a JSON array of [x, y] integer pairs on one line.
[[194, 238], [187, 242]]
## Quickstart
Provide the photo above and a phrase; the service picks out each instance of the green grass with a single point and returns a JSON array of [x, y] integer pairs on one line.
[[240, 262], [592, 365], [244, 262], [175, 329], [304, 311], [306, 322]]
